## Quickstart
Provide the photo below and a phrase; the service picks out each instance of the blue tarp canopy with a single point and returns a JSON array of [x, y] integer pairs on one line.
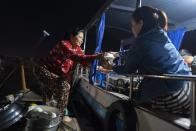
[[176, 36], [100, 34]]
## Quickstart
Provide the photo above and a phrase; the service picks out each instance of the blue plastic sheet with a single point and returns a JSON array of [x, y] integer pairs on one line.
[[176, 36], [100, 34], [100, 79]]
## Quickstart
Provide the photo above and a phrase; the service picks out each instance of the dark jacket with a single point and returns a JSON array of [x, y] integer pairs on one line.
[[193, 65], [153, 53]]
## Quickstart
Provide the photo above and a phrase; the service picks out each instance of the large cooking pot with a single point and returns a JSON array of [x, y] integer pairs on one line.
[[11, 114], [40, 124]]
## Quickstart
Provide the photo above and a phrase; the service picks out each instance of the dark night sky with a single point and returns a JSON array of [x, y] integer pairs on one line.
[[22, 22]]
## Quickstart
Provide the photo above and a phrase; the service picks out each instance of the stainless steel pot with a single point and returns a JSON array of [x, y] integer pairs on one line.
[[12, 114], [42, 125]]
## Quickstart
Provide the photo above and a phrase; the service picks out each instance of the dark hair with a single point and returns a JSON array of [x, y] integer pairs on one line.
[[76, 31], [185, 52], [151, 18], [73, 31], [163, 20]]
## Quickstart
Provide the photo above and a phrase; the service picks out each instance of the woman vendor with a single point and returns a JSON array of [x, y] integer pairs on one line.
[[56, 70]]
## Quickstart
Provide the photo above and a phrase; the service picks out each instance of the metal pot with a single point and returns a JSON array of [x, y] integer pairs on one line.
[[42, 125], [12, 114]]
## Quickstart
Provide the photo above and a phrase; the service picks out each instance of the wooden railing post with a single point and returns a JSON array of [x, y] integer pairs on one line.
[[23, 79]]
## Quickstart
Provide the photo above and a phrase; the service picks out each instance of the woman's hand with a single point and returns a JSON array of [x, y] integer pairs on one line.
[[115, 54], [103, 70], [107, 66], [100, 56], [104, 62]]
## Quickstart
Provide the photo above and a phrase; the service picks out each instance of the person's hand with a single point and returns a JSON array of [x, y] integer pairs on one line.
[[188, 59], [105, 64], [100, 56], [108, 66], [104, 70], [115, 54]]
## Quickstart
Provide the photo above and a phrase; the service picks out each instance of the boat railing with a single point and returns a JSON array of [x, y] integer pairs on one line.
[[84, 72], [191, 78]]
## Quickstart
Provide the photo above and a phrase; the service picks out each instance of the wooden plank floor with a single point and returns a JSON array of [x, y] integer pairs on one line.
[[31, 96]]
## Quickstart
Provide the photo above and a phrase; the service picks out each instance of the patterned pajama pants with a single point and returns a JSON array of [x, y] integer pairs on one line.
[[54, 86], [176, 103]]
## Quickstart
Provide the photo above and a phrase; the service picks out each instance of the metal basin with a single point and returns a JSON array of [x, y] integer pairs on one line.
[[42, 124], [12, 114]]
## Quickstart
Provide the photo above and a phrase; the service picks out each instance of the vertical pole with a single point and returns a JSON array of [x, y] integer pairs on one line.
[[193, 107], [77, 69], [131, 87], [84, 49], [138, 3], [107, 81], [23, 80], [81, 70], [87, 72], [85, 36]]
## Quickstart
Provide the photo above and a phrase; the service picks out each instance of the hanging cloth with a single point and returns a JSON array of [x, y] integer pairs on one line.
[[100, 34]]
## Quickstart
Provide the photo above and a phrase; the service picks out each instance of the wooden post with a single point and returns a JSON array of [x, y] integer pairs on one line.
[[23, 80]]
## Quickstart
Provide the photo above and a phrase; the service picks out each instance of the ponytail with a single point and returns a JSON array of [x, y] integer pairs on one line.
[[162, 20]]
